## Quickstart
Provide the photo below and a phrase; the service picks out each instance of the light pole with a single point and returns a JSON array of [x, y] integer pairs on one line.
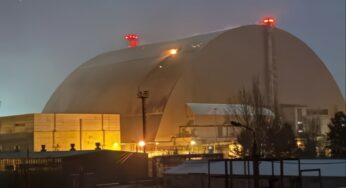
[[143, 95], [254, 152]]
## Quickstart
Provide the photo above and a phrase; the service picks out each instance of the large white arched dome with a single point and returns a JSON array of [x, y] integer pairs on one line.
[[209, 68]]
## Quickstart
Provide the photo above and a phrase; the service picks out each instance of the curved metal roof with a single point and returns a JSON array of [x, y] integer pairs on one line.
[[209, 68]]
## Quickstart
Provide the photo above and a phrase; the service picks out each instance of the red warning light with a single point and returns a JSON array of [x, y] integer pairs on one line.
[[132, 39], [269, 21]]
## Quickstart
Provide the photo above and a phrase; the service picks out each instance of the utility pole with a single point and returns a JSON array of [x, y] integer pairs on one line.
[[143, 95]]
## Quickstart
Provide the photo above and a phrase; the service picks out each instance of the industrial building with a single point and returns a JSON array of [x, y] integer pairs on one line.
[[190, 82], [60, 132]]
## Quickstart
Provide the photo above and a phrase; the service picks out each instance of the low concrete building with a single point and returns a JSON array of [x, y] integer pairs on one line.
[[57, 132]]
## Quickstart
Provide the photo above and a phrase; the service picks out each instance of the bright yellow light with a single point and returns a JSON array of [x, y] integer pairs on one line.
[[141, 143], [116, 146], [235, 150], [299, 143], [156, 143], [192, 142], [173, 51]]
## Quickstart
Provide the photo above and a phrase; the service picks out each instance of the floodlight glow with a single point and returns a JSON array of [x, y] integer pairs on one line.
[[299, 143], [116, 146], [141, 143], [192, 142], [173, 51]]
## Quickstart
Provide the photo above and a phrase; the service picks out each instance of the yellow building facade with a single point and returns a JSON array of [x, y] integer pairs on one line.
[[57, 132]]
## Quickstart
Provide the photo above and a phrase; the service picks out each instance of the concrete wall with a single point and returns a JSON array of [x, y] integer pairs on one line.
[[58, 131], [16, 132], [16, 124]]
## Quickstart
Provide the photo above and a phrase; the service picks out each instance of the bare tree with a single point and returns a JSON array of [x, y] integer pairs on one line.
[[250, 111], [255, 113]]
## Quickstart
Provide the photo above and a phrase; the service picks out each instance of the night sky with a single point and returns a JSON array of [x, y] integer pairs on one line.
[[43, 41]]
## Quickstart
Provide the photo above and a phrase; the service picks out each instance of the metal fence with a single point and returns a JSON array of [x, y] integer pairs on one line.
[[18, 173]]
